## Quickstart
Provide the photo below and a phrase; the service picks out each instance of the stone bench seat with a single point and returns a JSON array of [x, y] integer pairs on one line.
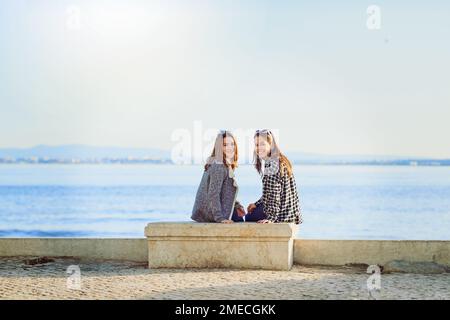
[[217, 245]]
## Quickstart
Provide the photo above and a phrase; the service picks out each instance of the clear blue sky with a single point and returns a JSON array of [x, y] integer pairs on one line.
[[131, 72]]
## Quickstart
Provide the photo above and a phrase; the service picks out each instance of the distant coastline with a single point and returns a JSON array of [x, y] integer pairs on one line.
[[38, 161], [84, 154], [84, 161]]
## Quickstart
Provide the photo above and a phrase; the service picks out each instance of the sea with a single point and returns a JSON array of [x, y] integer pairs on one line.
[[119, 200]]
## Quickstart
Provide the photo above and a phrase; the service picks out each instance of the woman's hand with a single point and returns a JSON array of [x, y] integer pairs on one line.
[[265, 221], [251, 207], [227, 221]]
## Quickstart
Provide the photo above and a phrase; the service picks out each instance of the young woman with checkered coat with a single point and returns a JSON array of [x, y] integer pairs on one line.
[[279, 201]]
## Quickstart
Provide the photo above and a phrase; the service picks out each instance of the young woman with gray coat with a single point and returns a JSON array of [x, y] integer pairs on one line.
[[216, 199]]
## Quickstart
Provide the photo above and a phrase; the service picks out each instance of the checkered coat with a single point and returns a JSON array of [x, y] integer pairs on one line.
[[280, 197]]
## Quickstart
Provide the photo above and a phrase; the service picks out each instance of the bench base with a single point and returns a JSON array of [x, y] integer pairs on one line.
[[213, 245]]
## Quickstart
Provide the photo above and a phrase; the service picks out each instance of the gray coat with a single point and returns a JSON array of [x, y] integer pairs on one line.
[[216, 195]]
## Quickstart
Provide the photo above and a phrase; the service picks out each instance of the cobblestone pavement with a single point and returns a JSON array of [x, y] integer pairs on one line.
[[128, 280]]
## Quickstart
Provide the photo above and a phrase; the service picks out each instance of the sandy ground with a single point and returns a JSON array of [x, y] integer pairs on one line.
[[128, 280]]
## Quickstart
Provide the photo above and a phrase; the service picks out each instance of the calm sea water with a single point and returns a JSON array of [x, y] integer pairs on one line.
[[338, 202]]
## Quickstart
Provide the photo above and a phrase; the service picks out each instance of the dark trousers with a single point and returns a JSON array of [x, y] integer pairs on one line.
[[256, 215]]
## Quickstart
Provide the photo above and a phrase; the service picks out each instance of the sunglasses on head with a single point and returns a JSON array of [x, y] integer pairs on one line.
[[264, 131]]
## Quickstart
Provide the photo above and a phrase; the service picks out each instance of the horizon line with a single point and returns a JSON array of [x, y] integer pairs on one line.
[[168, 150]]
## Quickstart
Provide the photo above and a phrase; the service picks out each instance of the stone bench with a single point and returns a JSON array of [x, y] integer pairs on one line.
[[216, 245]]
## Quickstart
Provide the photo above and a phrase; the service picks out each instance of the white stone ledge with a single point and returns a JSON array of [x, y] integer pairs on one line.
[[91, 248], [323, 252], [219, 230], [215, 245], [341, 252], [220, 238]]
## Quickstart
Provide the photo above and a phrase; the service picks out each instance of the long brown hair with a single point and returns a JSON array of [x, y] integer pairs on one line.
[[218, 149], [275, 153]]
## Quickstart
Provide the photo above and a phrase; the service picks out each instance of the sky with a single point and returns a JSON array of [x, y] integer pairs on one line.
[[134, 73]]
